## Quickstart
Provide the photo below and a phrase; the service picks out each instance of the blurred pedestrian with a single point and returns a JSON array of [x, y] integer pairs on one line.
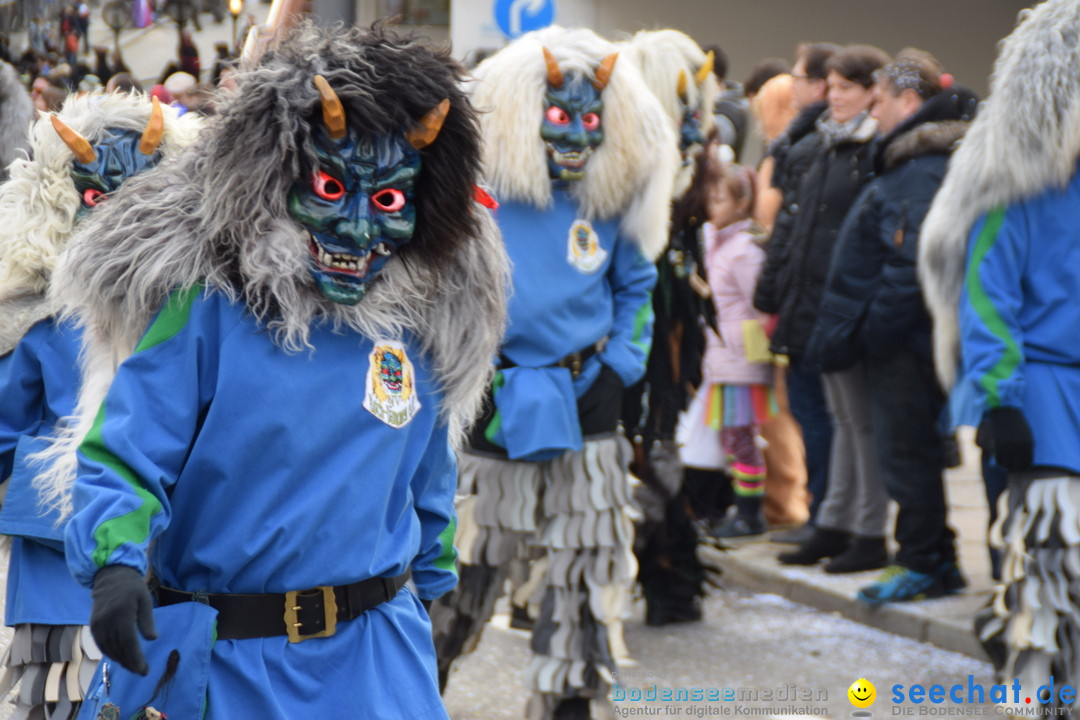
[[223, 60], [736, 395], [123, 82], [774, 109], [787, 501], [872, 312], [792, 153], [732, 110], [761, 73], [82, 23], [188, 54], [850, 524]]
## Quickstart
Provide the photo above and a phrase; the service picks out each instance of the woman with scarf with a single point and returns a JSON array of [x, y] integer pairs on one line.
[[851, 519]]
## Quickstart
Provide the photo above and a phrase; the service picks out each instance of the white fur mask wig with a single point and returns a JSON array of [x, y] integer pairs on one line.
[[630, 174], [663, 56], [40, 201], [1025, 139]]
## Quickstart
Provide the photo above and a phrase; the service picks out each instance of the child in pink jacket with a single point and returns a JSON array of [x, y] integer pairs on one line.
[[737, 373]]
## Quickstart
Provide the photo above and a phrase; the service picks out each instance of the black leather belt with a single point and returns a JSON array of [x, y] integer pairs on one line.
[[300, 614], [573, 362]]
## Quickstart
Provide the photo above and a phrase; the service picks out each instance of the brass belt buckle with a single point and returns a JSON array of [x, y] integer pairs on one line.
[[575, 364], [292, 608]]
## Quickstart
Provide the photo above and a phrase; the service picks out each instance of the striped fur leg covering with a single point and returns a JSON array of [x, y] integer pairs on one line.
[[496, 510], [52, 665], [1036, 608], [584, 588]]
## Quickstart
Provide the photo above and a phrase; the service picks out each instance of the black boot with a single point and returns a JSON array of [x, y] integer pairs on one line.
[[824, 543], [864, 553], [573, 709]]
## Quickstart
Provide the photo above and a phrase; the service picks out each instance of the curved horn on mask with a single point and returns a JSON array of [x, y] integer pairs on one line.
[[603, 72], [554, 74], [79, 145], [682, 84], [333, 112], [428, 129], [710, 60], [155, 130]]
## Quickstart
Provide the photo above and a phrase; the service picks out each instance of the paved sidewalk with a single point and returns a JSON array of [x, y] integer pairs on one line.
[[944, 622]]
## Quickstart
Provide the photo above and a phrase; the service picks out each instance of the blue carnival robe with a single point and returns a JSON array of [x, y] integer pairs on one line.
[[575, 282], [1019, 318], [253, 470], [38, 384]]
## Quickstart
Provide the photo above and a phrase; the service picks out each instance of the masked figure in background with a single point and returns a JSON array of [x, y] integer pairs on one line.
[[681, 77], [997, 260], [582, 159], [79, 158], [312, 285]]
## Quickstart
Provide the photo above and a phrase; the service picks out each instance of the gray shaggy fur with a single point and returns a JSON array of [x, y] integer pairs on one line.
[[16, 114], [218, 216], [1025, 139], [20, 313]]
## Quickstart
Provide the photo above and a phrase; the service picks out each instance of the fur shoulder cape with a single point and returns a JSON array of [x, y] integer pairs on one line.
[[1025, 139], [218, 216], [632, 172]]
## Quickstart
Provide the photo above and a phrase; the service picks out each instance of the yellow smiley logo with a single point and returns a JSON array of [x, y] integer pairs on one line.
[[862, 693]]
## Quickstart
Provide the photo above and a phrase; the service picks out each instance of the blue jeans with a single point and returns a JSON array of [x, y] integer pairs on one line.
[[807, 401]]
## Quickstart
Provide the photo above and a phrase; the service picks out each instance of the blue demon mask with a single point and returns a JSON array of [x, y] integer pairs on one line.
[[117, 158], [573, 118], [690, 132], [572, 127], [358, 207], [98, 170]]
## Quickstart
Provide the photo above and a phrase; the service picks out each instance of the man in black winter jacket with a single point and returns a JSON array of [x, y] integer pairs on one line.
[[873, 310], [793, 152]]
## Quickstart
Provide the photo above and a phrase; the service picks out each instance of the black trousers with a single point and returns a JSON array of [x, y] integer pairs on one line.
[[906, 403]]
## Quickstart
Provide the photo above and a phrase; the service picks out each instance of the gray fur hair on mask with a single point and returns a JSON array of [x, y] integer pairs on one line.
[[218, 216]]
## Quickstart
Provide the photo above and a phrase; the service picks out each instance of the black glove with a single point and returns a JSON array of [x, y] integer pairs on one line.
[[121, 601], [1005, 434], [599, 408]]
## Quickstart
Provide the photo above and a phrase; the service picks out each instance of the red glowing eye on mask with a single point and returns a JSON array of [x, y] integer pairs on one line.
[[557, 116], [389, 200], [591, 121], [92, 196], [327, 186]]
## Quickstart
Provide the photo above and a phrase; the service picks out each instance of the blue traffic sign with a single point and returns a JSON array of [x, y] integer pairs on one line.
[[517, 17]]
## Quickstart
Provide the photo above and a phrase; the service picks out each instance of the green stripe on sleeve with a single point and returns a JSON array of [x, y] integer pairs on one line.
[[446, 560], [496, 419], [134, 526], [641, 318], [171, 319], [986, 311]]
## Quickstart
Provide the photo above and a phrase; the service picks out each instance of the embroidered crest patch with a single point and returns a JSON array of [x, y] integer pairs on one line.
[[583, 249], [390, 387]]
